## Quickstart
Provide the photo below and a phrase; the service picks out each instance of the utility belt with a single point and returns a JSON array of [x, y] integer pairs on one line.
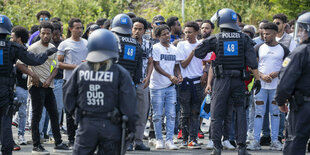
[[114, 116], [220, 72], [95, 114]]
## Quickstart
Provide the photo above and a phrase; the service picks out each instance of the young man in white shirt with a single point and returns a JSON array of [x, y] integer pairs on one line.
[[165, 75], [71, 53], [270, 57], [191, 90]]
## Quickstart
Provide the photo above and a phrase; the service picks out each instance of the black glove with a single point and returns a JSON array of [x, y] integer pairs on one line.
[[51, 51], [257, 86]]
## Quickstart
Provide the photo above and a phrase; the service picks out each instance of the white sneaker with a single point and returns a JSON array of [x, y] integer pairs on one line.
[[159, 144], [170, 145], [254, 145], [152, 142], [250, 138], [210, 145], [276, 145], [226, 145], [22, 140]]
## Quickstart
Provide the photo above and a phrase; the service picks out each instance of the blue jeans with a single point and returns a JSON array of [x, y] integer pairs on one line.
[[59, 101], [263, 97], [250, 113], [22, 96], [160, 99]]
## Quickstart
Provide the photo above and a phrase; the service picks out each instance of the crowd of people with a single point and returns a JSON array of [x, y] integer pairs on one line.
[[170, 79]]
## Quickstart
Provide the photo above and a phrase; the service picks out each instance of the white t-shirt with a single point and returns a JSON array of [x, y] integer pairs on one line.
[[270, 60], [194, 68], [167, 58], [74, 53]]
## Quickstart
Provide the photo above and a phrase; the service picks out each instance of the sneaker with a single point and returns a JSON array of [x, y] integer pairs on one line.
[[180, 135], [28, 128], [276, 145], [210, 145], [22, 140], [249, 138], [71, 144], [63, 129], [254, 145], [201, 135], [51, 140], [159, 144], [130, 147], [170, 145], [183, 145], [152, 142], [265, 141], [142, 147], [193, 145], [39, 150], [62, 148], [16, 147], [226, 145], [233, 143], [15, 124]]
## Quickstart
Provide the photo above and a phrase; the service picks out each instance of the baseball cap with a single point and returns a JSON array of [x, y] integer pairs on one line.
[[158, 18]]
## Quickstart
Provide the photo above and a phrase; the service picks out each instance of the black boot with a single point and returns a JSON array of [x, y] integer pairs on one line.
[[243, 151], [216, 151]]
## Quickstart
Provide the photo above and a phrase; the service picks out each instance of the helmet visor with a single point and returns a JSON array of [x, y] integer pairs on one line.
[[301, 32], [215, 17]]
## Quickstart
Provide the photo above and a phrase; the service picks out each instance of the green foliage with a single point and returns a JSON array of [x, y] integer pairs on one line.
[[23, 12]]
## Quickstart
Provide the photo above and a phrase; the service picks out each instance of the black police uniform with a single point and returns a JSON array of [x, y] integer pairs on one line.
[[234, 51], [130, 57], [9, 53], [93, 95], [294, 85]]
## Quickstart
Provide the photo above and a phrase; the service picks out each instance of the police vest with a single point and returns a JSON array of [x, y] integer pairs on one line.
[[230, 50], [128, 56], [6, 66]]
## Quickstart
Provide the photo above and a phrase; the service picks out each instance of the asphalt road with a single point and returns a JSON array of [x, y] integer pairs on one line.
[[26, 149]]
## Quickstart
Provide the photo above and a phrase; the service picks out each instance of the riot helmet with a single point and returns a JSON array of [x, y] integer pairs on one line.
[[226, 18], [5, 25], [122, 24], [102, 45], [302, 28]]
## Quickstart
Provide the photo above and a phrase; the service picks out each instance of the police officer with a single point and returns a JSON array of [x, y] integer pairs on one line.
[[130, 56], [234, 51], [9, 53], [99, 92], [294, 86]]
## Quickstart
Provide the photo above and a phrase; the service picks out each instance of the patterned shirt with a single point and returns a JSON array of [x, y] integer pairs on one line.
[[147, 48]]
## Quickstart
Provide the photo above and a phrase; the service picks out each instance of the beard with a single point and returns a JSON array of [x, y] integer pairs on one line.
[[205, 35]]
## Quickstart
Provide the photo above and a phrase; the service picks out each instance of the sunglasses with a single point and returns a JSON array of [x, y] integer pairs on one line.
[[159, 23], [277, 23], [45, 19]]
